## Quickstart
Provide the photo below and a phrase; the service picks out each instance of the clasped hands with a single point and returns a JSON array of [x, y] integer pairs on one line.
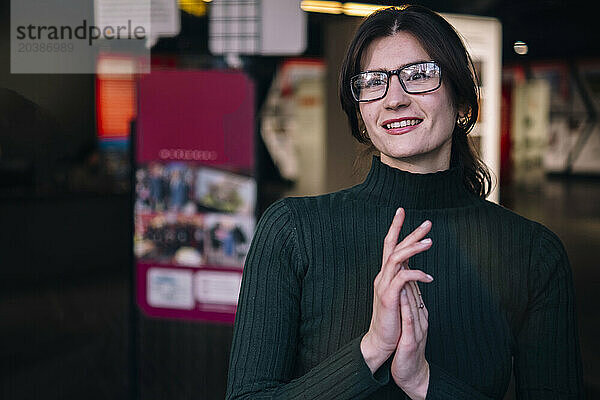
[[400, 319]]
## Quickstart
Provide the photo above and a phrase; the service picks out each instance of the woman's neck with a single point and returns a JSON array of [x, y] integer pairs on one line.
[[393, 187], [420, 164]]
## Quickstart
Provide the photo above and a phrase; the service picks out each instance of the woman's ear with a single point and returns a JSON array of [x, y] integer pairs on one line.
[[463, 115], [362, 127]]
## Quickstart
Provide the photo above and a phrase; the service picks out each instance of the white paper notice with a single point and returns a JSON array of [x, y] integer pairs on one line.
[[170, 288], [165, 18], [158, 17], [123, 13], [216, 287], [270, 27], [283, 27]]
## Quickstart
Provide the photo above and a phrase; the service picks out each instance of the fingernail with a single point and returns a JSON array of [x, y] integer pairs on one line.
[[398, 210], [425, 223], [403, 292], [430, 277], [426, 241]]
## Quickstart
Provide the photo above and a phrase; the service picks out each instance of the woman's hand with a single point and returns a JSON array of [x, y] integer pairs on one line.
[[409, 368], [385, 331]]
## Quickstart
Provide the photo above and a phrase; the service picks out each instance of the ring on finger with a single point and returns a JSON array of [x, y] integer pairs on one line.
[[422, 305]]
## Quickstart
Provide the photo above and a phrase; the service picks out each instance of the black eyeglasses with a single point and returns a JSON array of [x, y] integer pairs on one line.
[[415, 78]]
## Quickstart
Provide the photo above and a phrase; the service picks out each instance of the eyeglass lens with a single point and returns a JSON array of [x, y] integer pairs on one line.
[[415, 78]]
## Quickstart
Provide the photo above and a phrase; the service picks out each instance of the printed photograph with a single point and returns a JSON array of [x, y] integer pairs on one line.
[[229, 238], [179, 187], [170, 238], [225, 192]]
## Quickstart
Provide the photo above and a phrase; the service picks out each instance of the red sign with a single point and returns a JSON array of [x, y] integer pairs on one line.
[[193, 217], [199, 116]]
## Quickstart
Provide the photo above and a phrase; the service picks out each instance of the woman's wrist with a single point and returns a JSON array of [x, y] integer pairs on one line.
[[374, 357], [417, 389]]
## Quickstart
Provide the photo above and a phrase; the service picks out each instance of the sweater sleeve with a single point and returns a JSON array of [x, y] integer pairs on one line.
[[266, 333], [547, 358], [443, 386]]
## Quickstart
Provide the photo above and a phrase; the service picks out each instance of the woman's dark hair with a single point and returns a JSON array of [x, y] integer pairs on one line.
[[443, 45]]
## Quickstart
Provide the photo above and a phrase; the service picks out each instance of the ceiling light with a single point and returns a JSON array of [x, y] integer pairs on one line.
[[336, 7], [328, 7], [360, 9], [193, 7], [520, 47]]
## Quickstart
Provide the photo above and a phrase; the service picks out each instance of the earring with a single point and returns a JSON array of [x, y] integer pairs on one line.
[[365, 134]]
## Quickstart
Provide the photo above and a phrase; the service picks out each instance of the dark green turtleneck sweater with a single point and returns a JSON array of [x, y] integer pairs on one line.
[[502, 290]]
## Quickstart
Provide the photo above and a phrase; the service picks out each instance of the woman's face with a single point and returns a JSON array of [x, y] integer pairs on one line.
[[425, 146]]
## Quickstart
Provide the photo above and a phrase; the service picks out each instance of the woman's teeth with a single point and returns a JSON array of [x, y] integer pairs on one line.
[[403, 123]]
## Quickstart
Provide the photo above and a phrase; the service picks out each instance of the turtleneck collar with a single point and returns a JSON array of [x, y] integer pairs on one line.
[[393, 187]]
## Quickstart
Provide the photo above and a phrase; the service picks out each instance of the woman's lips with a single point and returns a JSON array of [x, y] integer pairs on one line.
[[396, 128]]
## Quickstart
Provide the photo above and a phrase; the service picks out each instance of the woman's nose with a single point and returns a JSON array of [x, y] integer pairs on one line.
[[396, 96]]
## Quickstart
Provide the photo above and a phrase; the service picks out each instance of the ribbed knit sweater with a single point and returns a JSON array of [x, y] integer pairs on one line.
[[502, 291]]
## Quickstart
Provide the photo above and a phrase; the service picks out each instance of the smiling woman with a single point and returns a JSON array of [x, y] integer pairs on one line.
[[330, 305], [432, 38]]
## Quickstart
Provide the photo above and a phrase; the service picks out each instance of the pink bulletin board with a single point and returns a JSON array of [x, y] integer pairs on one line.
[[200, 116], [195, 194]]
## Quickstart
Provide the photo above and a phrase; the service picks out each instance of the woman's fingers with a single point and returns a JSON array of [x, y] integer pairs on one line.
[[405, 276], [423, 314], [416, 235], [418, 299], [391, 267], [391, 239], [408, 337], [415, 302], [418, 317], [404, 253], [391, 247]]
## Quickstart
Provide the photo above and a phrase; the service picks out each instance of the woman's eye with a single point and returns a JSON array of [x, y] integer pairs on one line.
[[417, 76], [375, 81]]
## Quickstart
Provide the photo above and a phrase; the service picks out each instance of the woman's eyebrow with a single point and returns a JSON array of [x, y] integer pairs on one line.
[[394, 69]]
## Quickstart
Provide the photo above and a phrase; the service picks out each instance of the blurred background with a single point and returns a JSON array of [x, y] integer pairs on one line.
[[128, 200]]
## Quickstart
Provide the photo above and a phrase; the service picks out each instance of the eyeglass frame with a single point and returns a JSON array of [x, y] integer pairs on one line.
[[396, 72]]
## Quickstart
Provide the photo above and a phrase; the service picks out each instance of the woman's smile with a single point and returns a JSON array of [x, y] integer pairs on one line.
[[399, 126]]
